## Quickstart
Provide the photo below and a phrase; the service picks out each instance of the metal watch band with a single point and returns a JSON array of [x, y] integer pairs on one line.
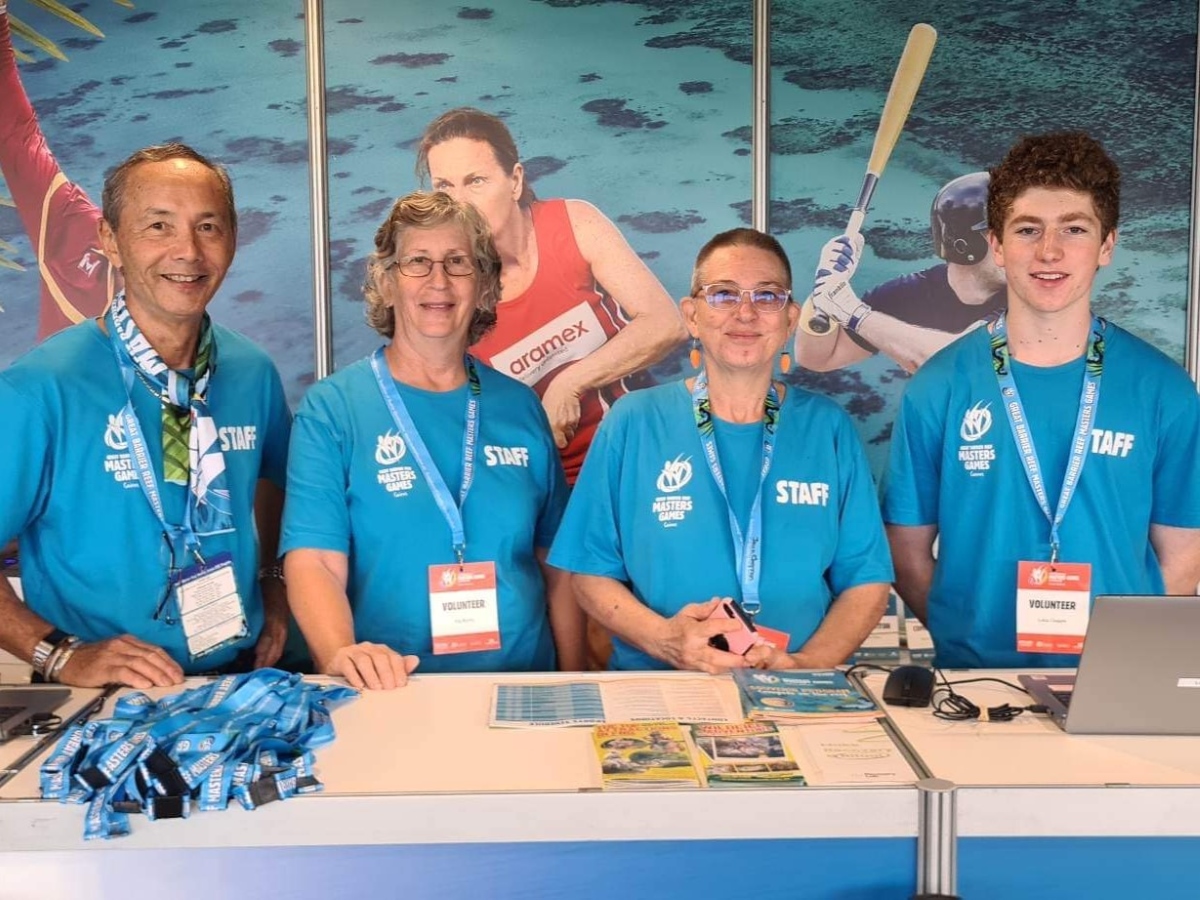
[[45, 647]]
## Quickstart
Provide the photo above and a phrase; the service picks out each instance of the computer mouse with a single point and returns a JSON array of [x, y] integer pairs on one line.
[[908, 686]]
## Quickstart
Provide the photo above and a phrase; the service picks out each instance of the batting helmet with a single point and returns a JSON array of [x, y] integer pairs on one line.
[[959, 219]]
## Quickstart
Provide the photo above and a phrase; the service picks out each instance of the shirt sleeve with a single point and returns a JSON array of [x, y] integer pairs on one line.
[[279, 428], [589, 538], [316, 515], [913, 477], [862, 555], [1176, 500], [26, 462]]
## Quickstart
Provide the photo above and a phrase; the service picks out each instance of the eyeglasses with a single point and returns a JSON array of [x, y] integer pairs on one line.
[[457, 264], [727, 296]]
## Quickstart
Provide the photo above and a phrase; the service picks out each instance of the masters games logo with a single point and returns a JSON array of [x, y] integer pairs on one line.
[[389, 450], [670, 506], [976, 458], [675, 474], [118, 462]]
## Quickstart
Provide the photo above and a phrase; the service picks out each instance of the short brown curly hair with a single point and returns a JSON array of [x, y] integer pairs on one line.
[[427, 209], [1064, 159]]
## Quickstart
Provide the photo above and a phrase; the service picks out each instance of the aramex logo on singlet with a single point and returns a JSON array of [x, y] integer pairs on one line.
[[570, 336]]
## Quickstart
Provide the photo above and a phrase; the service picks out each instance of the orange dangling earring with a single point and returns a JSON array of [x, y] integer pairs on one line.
[[785, 362], [694, 354]]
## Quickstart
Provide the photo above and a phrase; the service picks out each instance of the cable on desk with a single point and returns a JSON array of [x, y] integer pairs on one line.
[[952, 706]]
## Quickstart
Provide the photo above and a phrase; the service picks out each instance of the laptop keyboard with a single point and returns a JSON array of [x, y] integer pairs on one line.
[[7, 712], [1063, 697]]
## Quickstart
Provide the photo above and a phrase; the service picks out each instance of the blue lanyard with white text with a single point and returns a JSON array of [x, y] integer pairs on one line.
[[408, 431], [1089, 397], [140, 454], [747, 549]]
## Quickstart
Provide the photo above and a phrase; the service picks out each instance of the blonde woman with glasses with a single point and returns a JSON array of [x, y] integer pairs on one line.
[[427, 485]]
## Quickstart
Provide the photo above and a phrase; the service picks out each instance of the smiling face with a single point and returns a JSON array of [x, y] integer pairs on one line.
[[437, 306], [173, 243], [468, 171], [1050, 249], [745, 338]]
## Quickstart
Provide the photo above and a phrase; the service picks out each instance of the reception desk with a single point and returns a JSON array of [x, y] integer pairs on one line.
[[1043, 813], [422, 799]]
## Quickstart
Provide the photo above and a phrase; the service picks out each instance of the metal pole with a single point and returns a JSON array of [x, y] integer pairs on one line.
[[314, 34], [1191, 338], [937, 872], [760, 132]]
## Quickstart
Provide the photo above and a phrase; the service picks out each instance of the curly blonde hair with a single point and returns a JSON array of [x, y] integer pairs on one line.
[[427, 209]]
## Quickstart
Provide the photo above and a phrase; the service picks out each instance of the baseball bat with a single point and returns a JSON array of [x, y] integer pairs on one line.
[[909, 73]]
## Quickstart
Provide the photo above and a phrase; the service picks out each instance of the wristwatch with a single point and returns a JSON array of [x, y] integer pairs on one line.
[[273, 571], [46, 646]]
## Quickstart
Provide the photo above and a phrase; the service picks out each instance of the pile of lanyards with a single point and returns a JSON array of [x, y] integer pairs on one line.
[[248, 738]]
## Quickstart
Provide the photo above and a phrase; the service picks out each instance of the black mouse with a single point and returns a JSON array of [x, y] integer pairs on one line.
[[908, 686]]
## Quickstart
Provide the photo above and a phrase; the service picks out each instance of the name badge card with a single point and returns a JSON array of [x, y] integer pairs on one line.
[[464, 612], [777, 639], [209, 606], [1053, 604]]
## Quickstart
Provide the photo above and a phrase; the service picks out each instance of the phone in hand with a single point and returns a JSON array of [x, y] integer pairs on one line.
[[740, 641]]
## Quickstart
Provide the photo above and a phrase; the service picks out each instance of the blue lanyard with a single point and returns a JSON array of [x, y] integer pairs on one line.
[[248, 738], [139, 452], [412, 437], [747, 548], [1089, 397]]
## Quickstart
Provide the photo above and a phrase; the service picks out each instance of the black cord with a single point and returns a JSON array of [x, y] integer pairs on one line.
[[1015, 687], [952, 706], [854, 668]]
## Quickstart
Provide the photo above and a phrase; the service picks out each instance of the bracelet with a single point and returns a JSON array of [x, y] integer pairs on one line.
[[45, 647], [274, 571], [58, 659]]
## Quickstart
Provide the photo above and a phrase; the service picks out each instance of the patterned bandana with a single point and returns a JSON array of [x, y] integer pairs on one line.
[[191, 447]]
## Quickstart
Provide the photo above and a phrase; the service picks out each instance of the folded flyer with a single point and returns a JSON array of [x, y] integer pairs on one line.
[[796, 696]]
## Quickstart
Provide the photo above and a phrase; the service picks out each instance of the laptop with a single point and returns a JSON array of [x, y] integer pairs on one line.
[[1139, 672], [19, 705]]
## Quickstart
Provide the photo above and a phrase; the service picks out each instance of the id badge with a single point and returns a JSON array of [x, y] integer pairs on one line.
[[777, 639], [210, 609], [1053, 604], [464, 612]]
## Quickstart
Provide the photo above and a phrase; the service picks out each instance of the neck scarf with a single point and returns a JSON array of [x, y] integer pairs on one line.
[[191, 446]]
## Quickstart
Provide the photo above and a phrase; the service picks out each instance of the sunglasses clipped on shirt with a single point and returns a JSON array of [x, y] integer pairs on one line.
[[725, 296]]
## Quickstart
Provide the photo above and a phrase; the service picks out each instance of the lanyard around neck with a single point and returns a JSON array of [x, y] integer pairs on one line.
[[747, 548], [408, 431], [139, 450], [1089, 397]]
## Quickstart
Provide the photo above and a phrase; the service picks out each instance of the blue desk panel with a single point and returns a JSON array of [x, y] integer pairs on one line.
[[822, 869], [1162, 868]]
